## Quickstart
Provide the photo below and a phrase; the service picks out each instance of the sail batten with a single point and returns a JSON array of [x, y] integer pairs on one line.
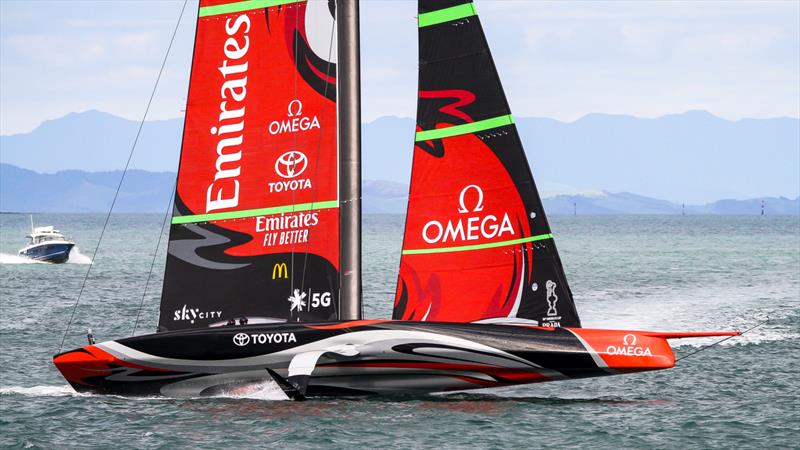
[[300, 207], [242, 6], [467, 128], [465, 248], [446, 15], [477, 244]]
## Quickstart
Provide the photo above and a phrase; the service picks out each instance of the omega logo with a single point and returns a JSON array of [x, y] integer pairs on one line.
[[471, 227], [299, 111], [478, 206], [294, 122]]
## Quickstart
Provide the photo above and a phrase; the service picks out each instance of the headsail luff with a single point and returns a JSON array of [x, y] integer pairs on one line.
[[255, 228], [477, 243]]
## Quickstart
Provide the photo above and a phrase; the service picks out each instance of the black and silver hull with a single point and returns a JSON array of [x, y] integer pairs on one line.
[[359, 357]]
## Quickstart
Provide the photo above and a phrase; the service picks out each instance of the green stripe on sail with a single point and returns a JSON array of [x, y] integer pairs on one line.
[[464, 248], [466, 128], [255, 212], [246, 5], [447, 14]]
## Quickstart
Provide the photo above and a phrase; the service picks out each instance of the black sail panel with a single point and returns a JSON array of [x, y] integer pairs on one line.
[[477, 243]]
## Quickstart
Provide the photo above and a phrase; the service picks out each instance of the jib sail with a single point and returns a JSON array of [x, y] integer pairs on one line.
[[477, 243], [255, 227]]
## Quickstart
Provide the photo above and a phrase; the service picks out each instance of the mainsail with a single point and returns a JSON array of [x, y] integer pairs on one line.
[[255, 227], [477, 244]]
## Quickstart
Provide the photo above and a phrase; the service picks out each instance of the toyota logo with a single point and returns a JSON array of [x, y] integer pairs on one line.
[[241, 339], [291, 164], [629, 339]]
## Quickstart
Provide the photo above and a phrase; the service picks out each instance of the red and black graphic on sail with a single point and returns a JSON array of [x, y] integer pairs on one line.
[[255, 227], [477, 243]]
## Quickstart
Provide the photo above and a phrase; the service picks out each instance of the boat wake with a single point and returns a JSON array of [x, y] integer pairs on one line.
[[262, 390], [76, 257], [267, 390], [727, 309], [774, 330], [8, 258], [40, 391]]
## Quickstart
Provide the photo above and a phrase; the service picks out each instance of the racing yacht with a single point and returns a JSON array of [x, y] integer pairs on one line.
[[263, 273]]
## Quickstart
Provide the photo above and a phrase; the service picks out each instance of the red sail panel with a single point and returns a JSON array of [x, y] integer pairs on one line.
[[256, 225], [477, 244], [462, 217]]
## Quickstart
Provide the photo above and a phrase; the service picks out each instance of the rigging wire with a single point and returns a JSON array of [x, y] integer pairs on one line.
[[723, 340], [294, 145], [122, 177], [167, 215], [295, 52], [319, 152]]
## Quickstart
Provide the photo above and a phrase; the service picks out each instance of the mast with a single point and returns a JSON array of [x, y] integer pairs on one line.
[[349, 102]]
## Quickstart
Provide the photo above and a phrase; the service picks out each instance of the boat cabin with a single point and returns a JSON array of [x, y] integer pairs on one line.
[[44, 234]]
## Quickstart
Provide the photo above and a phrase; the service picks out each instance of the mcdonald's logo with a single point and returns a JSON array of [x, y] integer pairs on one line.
[[279, 270]]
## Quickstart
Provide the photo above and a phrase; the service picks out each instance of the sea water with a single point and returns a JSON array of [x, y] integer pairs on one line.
[[670, 273]]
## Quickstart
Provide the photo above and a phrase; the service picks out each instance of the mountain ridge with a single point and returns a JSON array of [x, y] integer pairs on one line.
[[23, 190], [693, 157]]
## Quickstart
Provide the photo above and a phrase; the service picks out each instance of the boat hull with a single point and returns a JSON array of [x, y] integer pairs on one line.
[[381, 357], [51, 252]]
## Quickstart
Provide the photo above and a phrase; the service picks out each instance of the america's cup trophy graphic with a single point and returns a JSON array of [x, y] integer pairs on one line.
[[552, 298]]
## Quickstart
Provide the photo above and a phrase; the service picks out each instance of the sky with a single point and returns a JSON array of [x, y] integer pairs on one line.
[[561, 60]]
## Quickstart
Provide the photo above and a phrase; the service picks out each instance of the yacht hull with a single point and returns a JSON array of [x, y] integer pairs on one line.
[[52, 252], [359, 357]]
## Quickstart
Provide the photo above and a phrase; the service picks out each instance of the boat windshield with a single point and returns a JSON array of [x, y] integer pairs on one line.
[[39, 238]]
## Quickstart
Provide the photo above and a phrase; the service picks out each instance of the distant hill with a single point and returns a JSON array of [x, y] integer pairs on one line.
[[23, 190], [94, 141], [692, 157], [627, 203], [384, 197]]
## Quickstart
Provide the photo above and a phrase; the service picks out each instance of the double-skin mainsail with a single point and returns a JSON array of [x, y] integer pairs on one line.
[[255, 227], [477, 244]]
